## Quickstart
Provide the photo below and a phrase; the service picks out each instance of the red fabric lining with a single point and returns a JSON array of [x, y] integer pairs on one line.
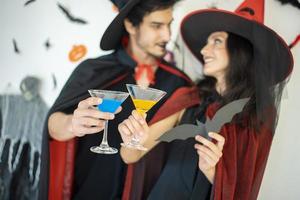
[[245, 150], [61, 169]]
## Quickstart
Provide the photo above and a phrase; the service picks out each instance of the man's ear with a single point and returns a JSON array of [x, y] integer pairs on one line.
[[129, 27]]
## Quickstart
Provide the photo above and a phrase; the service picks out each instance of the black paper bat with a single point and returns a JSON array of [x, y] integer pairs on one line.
[[28, 2], [223, 116], [295, 3], [16, 48], [54, 81], [70, 16], [47, 44]]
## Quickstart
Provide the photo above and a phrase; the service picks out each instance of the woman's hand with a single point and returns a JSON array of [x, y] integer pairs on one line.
[[209, 153], [135, 126]]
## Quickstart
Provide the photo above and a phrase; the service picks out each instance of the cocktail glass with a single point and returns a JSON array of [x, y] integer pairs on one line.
[[111, 100], [143, 99]]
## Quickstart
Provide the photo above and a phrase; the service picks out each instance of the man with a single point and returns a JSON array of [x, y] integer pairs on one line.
[[139, 35]]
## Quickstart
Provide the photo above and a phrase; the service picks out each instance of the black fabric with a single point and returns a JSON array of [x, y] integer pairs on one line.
[[181, 178], [92, 73], [102, 176], [16, 185], [92, 171], [112, 36]]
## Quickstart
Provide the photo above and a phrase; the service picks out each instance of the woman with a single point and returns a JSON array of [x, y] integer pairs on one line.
[[242, 58]]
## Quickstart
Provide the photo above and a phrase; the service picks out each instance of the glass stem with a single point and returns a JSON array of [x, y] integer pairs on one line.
[[104, 139]]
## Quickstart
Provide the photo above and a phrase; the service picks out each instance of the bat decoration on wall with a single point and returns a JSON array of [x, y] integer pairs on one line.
[[295, 3], [222, 116], [70, 16], [47, 44], [28, 2], [54, 81], [16, 48]]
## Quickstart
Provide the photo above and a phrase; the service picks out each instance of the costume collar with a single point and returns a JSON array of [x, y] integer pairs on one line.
[[125, 58]]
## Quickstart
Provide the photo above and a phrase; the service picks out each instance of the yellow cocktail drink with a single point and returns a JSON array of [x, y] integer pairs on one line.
[[142, 106]]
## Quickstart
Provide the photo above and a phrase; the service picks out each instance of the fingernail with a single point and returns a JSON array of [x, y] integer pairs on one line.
[[210, 134]]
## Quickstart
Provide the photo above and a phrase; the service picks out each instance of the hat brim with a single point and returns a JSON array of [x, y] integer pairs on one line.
[[198, 25], [114, 32]]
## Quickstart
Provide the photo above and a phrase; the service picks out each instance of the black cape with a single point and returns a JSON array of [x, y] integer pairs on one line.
[[99, 73]]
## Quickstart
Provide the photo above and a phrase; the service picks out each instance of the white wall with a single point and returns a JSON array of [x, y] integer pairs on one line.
[[31, 26], [282, 175]]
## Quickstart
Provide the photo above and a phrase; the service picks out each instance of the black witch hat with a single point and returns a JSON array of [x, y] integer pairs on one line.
[[267, 44], [115, 31]]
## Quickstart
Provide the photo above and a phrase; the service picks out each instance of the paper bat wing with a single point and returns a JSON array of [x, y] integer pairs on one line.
[[182, 132], [70, 16], [225, 114], [65, 11], [81, 21]]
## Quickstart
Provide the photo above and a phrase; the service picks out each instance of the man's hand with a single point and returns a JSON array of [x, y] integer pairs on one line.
[[87, 119]]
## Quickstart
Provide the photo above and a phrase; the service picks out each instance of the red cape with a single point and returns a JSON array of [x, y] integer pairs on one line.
[[240, 170]]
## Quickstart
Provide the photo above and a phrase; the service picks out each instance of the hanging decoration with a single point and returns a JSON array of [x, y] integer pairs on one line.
[[54, 81], [295, 3], [77, 52], [28, 2], [16, 48], [22, 124], [48, 44], [71, 18]]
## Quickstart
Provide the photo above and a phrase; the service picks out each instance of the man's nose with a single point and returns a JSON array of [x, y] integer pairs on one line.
[[166, 34]]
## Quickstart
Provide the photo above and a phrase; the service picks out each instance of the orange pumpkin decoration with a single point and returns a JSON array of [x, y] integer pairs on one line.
[[77, 52]]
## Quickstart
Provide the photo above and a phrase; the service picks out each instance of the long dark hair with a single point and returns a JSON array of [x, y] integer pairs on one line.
[[239, 77]]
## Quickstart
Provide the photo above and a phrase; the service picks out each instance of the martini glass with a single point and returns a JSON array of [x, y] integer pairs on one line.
[[143, 99], [111, 100]]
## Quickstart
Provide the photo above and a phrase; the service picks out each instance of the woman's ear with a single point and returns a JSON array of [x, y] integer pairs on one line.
[[129, 27]]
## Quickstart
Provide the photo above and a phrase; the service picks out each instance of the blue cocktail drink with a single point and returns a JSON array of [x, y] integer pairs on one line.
[[111, 100], [109, 105]]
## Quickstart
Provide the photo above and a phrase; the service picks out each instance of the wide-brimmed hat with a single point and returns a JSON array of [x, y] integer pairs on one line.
[[115, 31], [119, 3], [270, 49]]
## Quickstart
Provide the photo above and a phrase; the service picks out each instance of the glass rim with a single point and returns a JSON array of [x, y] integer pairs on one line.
[[107, 91], [147, 88]]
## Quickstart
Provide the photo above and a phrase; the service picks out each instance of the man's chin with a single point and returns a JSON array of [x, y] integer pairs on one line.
[[159, 54]]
